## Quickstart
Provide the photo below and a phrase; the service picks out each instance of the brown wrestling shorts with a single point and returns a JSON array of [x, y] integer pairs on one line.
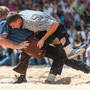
[[33, 50]]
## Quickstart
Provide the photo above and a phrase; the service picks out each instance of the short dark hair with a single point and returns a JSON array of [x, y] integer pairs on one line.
[[12, 17]]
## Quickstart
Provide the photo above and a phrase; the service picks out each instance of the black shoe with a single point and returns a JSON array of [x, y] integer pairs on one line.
[[50, 82], [20, 79]]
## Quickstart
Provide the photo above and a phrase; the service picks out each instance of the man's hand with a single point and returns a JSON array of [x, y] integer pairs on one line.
[[40, 43], [23, 45]]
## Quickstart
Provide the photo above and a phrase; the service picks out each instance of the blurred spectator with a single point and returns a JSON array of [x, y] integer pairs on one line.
[[68, 9], [6, 57], [59, 12], [82, 25], [72, 33], [52, 4], [39, 5], [79, 8], [87, 14], [17, 7], [16, 56], [88, 50], [2, 2], [56, 17], [48, 61], [66, 20], [88, 39], [63, 4], [82, 29], [25, 5], [47, 9], [85, 3], [2, 51], [11, 6], [88, 1], [76, 20], [79, 40], [88, 55], [34, 61]]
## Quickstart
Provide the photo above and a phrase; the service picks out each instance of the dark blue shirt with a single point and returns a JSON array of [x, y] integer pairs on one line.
[[16, 35]]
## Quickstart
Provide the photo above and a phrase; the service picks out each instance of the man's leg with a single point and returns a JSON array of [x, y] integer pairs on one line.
[[70, 52], [78, 65], [59, 58], [21, 68], [58, 62]]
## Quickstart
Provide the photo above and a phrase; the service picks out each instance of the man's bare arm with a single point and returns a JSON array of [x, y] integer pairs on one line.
[[7, 43], [52, 29]]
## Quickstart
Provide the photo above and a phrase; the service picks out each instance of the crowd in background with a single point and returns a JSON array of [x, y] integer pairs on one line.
[[74, 14]]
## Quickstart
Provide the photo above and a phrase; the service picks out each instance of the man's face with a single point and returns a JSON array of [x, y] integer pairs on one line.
[[16, 24]]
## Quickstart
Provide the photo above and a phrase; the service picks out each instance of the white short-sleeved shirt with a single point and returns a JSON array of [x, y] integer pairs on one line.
[[36, 20]]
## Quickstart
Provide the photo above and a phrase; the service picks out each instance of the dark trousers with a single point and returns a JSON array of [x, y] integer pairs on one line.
[[23, 63], [58, 57], [78, 65], [56, 65]]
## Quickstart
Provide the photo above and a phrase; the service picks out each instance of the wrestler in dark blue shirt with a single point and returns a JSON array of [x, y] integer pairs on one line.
[[17, 35]]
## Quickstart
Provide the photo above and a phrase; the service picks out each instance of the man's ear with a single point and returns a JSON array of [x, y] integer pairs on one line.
[[18, 20]]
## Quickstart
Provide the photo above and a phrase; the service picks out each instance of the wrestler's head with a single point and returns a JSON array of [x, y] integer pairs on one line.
[[14, 20], [3, 12]]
